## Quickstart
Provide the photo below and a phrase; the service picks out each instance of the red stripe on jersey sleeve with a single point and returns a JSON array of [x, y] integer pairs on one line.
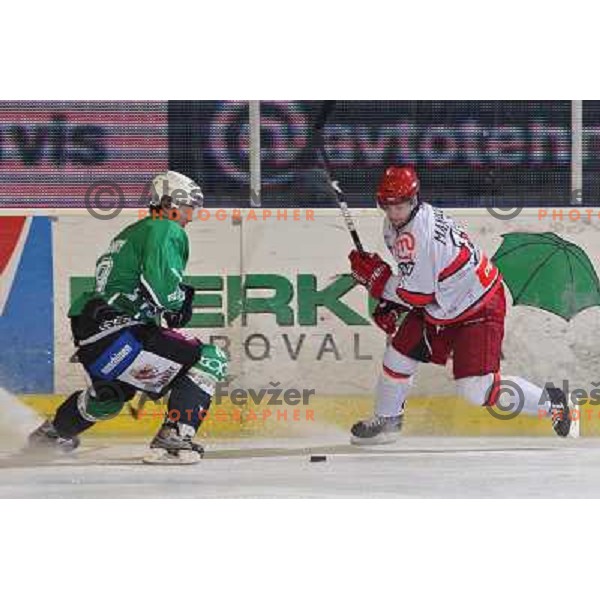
[[457, 264], [415, 298]]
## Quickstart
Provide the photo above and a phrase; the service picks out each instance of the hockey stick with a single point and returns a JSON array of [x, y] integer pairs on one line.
[[136, 412], [319, 143]]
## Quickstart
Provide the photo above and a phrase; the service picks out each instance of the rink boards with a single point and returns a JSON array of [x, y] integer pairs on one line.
[[304, 327], [434, 416]]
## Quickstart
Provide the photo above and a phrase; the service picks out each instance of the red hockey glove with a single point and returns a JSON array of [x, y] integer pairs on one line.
[[386, 315], [371, 271]]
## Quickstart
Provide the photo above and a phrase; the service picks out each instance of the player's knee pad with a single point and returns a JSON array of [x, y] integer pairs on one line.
[[398, 367], [478, 390], [104, 400]]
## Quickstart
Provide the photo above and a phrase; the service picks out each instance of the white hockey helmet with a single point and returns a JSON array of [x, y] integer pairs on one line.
[[182, 190]]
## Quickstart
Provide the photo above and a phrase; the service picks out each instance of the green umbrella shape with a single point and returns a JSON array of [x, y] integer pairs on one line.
[[544, 270]]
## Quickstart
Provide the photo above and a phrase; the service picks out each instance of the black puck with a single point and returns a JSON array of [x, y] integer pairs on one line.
[[318, 458]]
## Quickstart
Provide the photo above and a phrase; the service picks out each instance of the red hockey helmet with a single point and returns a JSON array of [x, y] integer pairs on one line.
[[398, 185]]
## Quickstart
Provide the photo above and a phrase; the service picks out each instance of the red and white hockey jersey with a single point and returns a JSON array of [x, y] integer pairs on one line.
[[439, 268]]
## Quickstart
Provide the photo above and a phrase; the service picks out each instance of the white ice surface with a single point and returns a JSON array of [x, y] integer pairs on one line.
[[413, 468]]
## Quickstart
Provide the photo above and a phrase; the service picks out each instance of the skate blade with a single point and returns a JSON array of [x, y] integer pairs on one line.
[[379, 440], [159, 456], [574, 430]]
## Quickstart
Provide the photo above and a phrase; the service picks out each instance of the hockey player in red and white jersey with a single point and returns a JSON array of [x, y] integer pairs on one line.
[[456, 308]]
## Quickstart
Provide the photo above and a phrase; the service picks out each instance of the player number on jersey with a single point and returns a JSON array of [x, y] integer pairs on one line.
[[103, 269]]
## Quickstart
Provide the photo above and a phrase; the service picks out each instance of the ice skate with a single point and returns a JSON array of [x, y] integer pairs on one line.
[[173, 445], [378, 430], [45, 437], [562, 413]]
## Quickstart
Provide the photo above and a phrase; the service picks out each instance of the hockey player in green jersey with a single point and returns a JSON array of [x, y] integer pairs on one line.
[[121, 343]]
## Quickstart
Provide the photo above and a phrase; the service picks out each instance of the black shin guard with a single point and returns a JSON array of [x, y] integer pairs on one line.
[[188, 404], [68, 421]]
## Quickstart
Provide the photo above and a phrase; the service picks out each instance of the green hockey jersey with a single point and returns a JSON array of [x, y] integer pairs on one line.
[[141, 271]]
